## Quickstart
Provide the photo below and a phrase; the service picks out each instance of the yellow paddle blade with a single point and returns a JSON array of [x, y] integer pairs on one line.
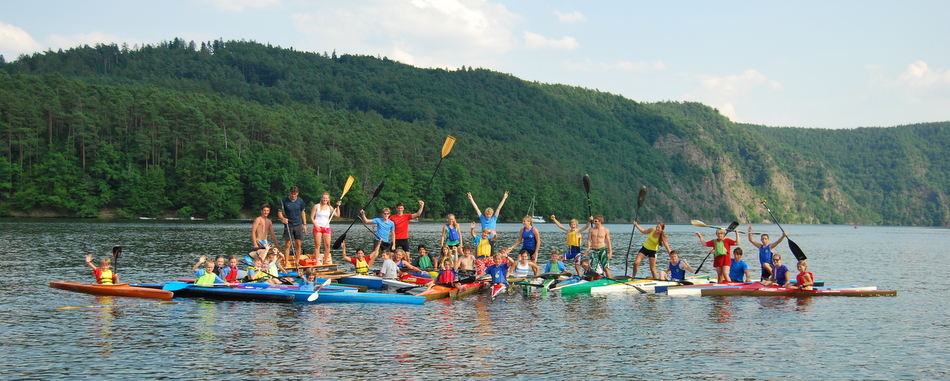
[[447, 146], [346, 187]]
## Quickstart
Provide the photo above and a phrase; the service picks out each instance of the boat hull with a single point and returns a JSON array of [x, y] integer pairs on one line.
[[781, 291], [357, 297], [123, 289]]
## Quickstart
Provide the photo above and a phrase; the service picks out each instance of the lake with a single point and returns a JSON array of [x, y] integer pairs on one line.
[[622, 336]]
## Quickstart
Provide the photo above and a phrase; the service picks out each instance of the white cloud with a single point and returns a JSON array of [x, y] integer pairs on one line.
[[920, 75], [431, 33], [241, 5], [727, 92], [570, 18], [537, 41], [15, 41]]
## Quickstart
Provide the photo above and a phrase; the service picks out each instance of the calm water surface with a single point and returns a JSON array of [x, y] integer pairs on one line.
[[623, 336]]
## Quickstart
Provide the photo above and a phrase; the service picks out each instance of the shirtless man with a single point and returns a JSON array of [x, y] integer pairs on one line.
[[465, 266], [599, 248], [260, 231]]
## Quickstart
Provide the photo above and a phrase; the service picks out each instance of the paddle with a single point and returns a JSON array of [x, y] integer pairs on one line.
[[339, 240], [175, 286], [799, 254], [731, 227], [346, 188], [640, 198], [446, 148], [316, 290], [293, 248], [587, 190], [116, 252]]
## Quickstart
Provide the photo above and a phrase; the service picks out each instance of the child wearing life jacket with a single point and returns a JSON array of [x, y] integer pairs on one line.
[[232, 276], [574, 241], [103, 273], [206, 276], [309, 280], [555, 265], [804, 280], [361, 263], [447, 276]]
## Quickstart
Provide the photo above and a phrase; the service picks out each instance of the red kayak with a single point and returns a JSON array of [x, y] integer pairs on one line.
[[112, 289], [758, 290], [414, 279]]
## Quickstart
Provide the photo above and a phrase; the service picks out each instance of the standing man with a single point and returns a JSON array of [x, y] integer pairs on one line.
[[384, 229], [402, 224], [599, 248], [294, 216], [259, 232]]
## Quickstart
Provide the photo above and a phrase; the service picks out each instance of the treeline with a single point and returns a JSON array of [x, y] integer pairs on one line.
[[216, 128]]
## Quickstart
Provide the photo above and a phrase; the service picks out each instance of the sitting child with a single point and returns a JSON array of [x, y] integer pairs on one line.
[[103, 273]]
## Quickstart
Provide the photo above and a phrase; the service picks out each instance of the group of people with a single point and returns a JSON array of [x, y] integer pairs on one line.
[[458, 261]]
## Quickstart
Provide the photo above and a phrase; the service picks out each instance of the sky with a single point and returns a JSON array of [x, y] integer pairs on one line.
[[802, 63]]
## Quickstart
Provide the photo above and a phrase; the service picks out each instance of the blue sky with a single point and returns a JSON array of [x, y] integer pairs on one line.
[[827, 64]]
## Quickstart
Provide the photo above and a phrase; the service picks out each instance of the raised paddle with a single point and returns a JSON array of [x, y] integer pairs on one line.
[[339, 240], [640, 198], [446, 148], [731, 227], [116, 252], [797, 251], [316, 290], [346, 188], [587, 190]]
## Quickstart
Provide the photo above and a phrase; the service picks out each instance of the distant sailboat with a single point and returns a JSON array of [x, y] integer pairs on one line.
[[534, 219]]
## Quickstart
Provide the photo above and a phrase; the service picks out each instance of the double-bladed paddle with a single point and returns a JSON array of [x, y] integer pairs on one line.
[[316, 290], [116, 252], [731, 227], [339, 240], [446, 148], [797, 251]]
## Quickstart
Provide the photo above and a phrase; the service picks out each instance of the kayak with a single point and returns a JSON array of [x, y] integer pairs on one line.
[[355, 297], [498, 288], [696, 289], [393, 284], [123, 289], [415, 278], [642, 286], [584, 287], [758, 290], [467, 289], [238, 293], [436, 292], [368, 281]]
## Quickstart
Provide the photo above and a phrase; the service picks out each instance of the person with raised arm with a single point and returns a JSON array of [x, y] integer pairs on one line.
[[655, 236], [384, 229], [490, 218], [401, 220], [765, 252], [722, 246], [574, 241]]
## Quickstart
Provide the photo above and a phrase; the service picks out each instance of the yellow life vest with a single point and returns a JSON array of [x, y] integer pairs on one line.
[[361, 267], [574, 238], [206, 279], [105, 277], [484, 248]]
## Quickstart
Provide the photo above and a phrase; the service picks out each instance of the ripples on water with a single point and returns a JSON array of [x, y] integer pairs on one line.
[[621, 336]]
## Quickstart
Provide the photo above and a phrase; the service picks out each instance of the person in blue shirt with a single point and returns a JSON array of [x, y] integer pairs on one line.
[[739, 272], [384, 229], [490, 218], [677, 268], [555, 265], [500, 269]]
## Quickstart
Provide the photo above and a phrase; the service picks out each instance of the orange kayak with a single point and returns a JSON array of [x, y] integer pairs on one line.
[[112, 289]]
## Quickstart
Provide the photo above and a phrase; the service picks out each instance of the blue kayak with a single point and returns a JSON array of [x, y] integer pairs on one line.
[[357, 297]]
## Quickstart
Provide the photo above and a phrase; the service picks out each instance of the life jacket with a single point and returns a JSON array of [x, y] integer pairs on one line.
[[446, 276], [453, 233], [105, 277], [484, 248], [361, 267], [233, 274], [206, 279], [720, 248], [573, 238], [425, 262]]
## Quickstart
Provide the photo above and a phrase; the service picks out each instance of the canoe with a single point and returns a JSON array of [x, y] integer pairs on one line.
[[123, 289], [781, 291], [238, 293], [369, 281], [356, 297]]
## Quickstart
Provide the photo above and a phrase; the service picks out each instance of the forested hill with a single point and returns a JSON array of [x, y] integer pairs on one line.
[[215, 129]]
